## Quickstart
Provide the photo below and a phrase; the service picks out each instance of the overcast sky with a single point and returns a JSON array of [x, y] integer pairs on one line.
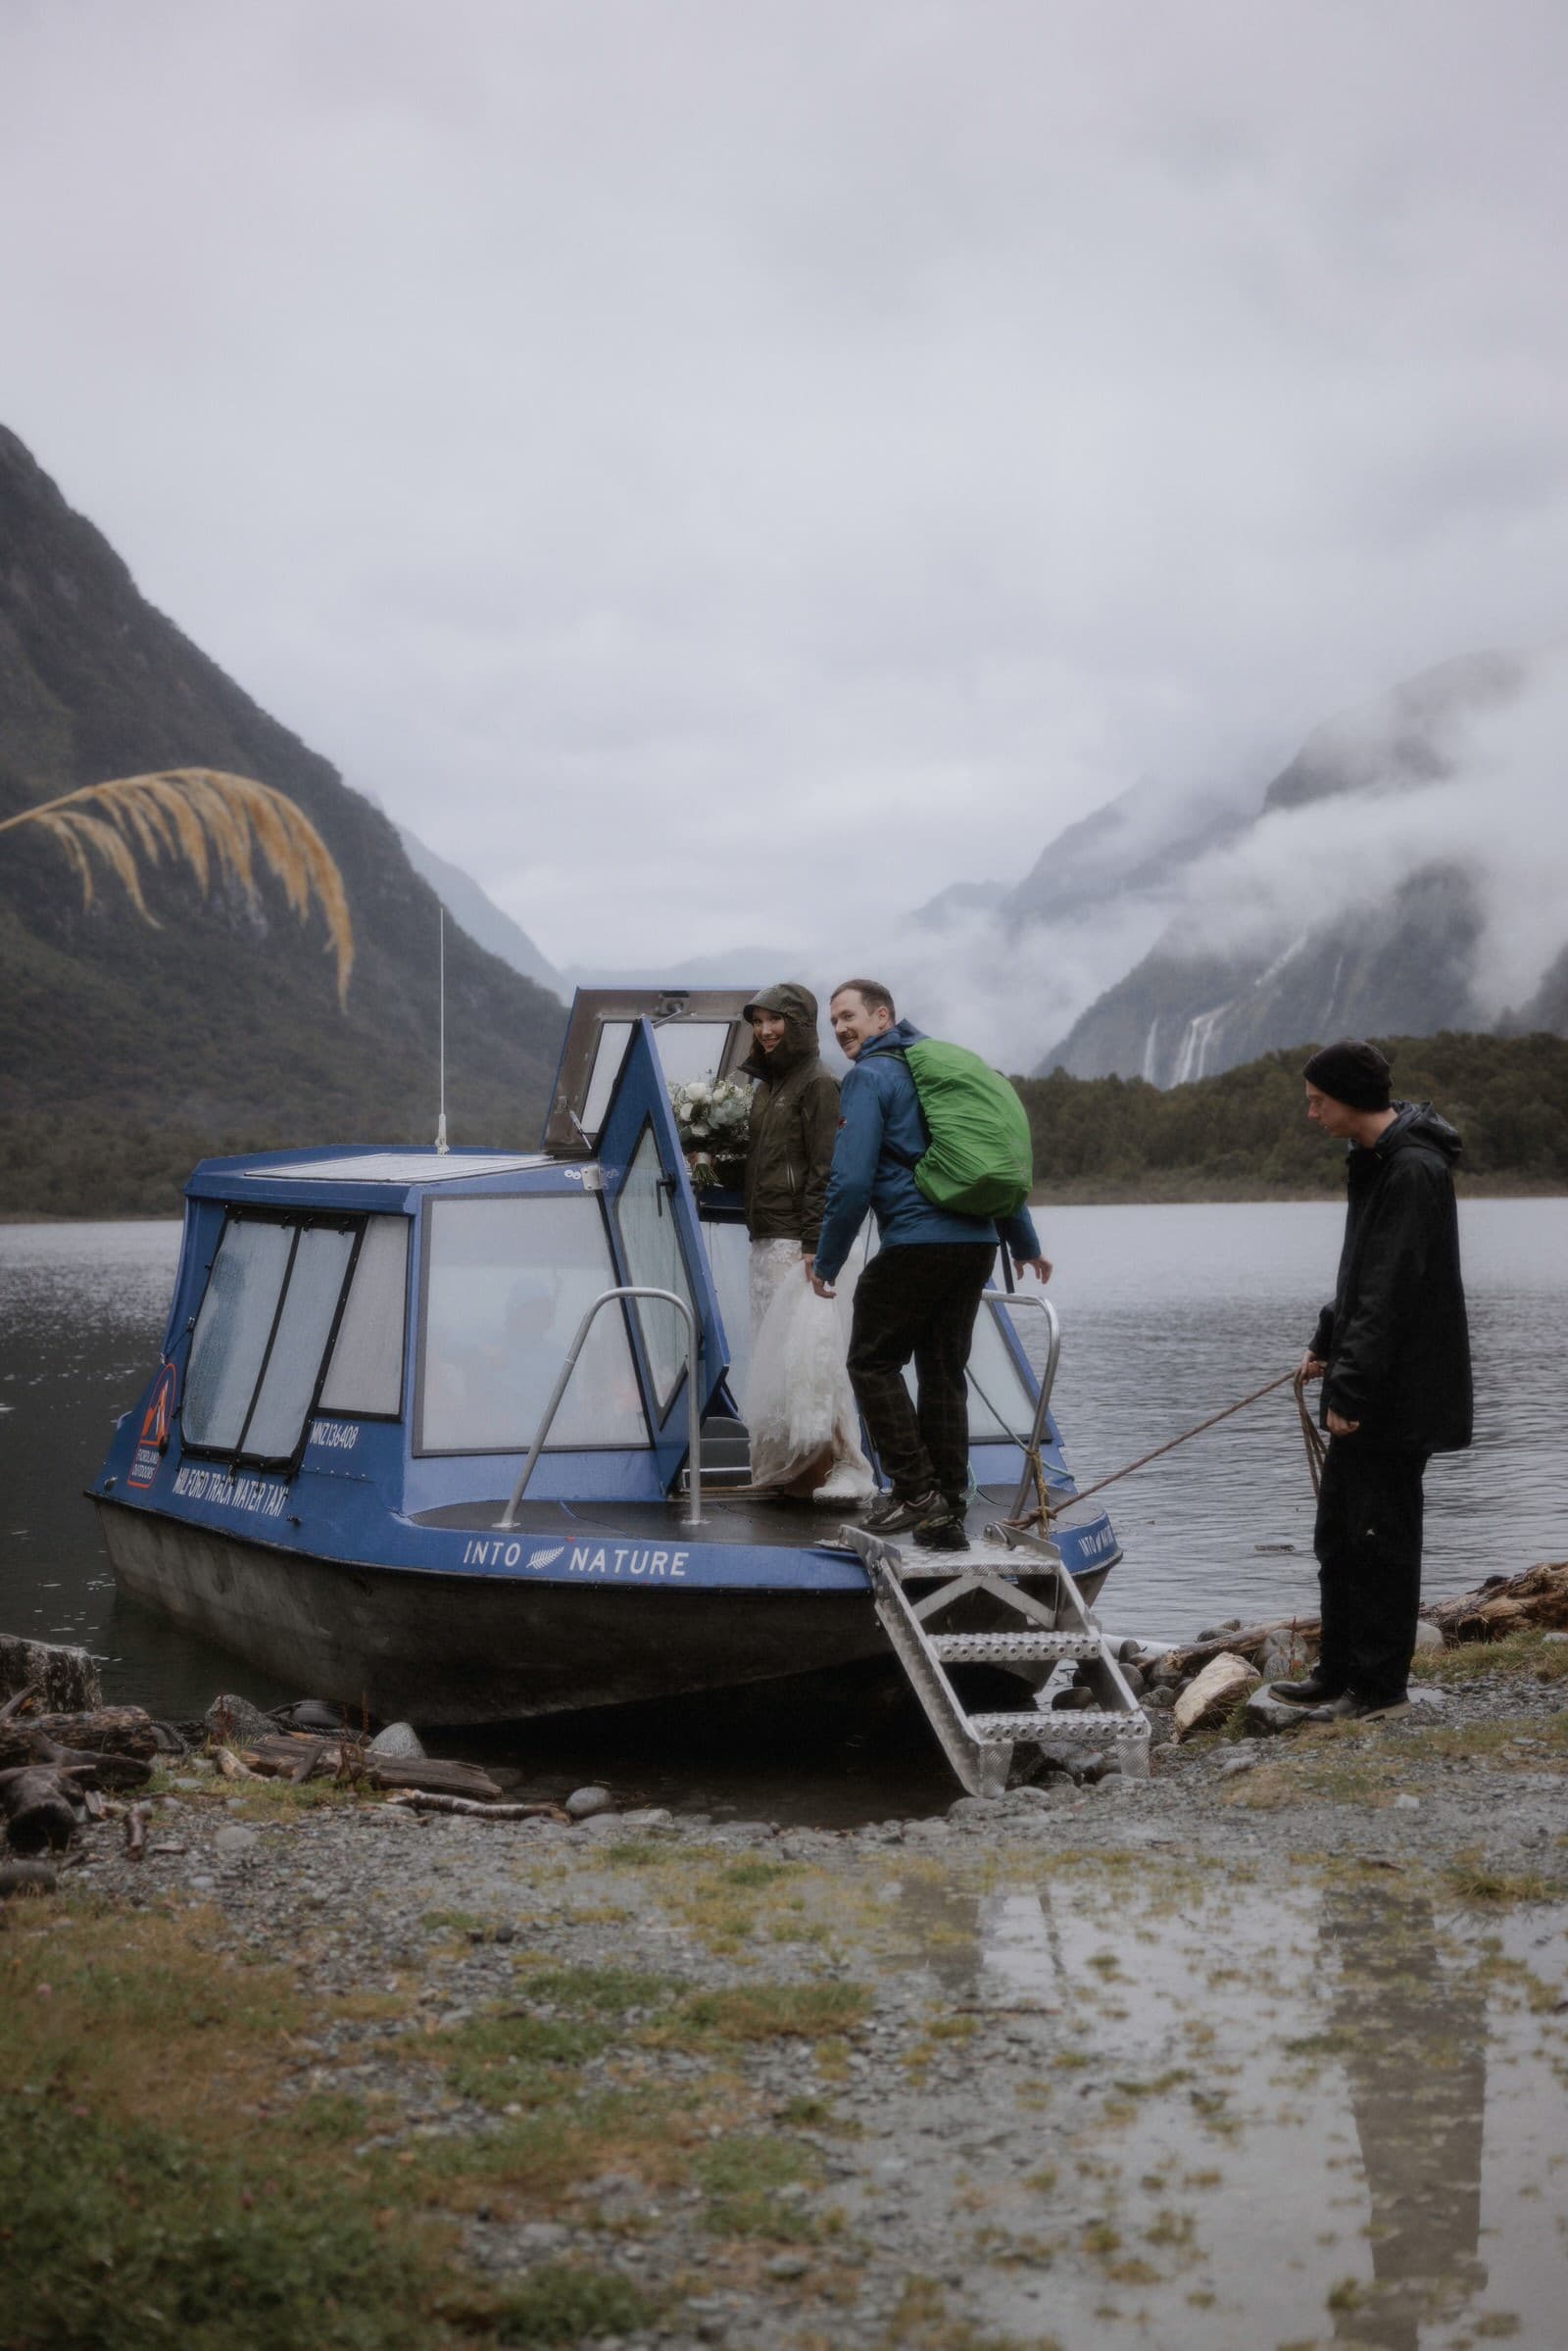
[[723, 470]]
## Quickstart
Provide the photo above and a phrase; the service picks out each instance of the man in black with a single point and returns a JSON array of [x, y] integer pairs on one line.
[[1394, 1355]]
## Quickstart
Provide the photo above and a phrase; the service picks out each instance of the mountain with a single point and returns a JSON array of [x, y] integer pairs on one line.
[[476, 913], [128, 1051], [728, 968], [1137, 846], [1349, 957]]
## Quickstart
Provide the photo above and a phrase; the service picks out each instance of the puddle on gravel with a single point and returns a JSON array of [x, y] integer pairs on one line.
[[1328, 2116]]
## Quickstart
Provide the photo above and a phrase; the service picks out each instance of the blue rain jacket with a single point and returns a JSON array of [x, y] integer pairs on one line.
[[879, 1115]]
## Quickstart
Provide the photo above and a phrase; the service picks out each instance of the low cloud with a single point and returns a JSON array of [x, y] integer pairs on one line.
[[712, 467]]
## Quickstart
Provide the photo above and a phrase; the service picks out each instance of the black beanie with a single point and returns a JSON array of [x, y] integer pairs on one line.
[[1351, 1072]]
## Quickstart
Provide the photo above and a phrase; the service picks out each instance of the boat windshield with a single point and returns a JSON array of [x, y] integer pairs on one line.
[[506, 1282]]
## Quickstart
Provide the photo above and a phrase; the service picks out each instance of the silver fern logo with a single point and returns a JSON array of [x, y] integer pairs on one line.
[[545, 1558]]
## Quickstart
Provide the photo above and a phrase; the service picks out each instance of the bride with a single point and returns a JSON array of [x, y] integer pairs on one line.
[[804, 1427]]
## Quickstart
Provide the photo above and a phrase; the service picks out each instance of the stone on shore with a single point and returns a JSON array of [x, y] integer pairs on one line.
[[1427, 1637], [1208, 1698], [66, 1680], [584, 1802], [1266, 1715], [235, 1722], [399, 1742]]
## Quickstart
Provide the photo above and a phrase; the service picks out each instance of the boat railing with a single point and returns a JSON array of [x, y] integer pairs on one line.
[[1048, 1381], [694, 1402]]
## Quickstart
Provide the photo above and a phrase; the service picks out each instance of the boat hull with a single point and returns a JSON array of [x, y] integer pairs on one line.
[[454, 1649]]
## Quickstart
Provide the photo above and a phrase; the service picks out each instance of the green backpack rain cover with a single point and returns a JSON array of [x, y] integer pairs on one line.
[[979, 1161]]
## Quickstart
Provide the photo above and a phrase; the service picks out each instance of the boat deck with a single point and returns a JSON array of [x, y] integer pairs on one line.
[[727, 1517]]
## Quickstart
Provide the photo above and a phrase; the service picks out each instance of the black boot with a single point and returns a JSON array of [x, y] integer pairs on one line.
[[1310, 1691]]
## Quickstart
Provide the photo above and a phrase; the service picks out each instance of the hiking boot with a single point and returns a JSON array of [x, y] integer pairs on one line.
[[943, 1529], [896, 1514], [1310, 1691], [1349, 1708]]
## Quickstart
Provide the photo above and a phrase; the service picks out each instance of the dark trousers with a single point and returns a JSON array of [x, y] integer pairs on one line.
[[918, 1302], [1368, 1545]]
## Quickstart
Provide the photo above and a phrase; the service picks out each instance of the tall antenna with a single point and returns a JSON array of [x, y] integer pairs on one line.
[[441, 1121]]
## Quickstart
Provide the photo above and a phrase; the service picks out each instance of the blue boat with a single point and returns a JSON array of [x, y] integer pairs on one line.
[[456, 1436]]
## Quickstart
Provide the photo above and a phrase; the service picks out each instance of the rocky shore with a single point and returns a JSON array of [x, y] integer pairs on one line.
[[1202, 2060]]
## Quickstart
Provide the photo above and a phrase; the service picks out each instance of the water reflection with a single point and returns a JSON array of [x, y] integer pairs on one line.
[[1412, 2037], [1321, 2058]]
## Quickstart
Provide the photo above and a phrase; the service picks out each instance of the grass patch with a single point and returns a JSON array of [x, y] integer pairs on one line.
[[770, 2012], [498, 2060], [135, 2010], [121, 2236], [329, 2119], [1325, 1773], [640, 1853], [1526, 1655], [742, 2177], [1474, 1883], [602, 1991], [563, 2304], [549, 2150], [818, 2114], [751, 1875]]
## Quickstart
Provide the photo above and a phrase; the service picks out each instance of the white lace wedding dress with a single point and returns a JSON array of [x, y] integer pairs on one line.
[[799, 1403]]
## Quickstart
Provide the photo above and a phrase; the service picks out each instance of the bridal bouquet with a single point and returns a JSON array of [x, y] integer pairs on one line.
[[710, 1119]]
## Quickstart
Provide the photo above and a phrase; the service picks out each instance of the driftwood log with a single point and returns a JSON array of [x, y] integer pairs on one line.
[[1535, 1602], [66, 1678], [1191, 1659], [419, 1799], [299, 1758], [41, 1805], [27, 1878], [104, 1731]]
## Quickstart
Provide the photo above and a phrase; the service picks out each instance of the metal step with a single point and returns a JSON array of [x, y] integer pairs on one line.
[[1079, 1725], [1053, 1622], [995, 1649]]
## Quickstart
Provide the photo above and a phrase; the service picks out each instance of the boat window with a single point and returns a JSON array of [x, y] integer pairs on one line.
[[321, 1255], [1001, 1407], [366, 1372], [691, 1048], [653, 1257], [999, 1404], [233, 1330], [256, 1353], [611, 1051], [729, 1255], [687, 1049], [507, 1283]]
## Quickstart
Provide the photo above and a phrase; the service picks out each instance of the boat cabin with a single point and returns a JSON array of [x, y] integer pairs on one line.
[[399, 1318]]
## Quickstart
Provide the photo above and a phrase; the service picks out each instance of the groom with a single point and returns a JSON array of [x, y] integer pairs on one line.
[[920, 1294]]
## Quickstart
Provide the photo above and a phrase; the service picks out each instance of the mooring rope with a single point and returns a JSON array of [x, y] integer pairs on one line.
[[1047, 1508]]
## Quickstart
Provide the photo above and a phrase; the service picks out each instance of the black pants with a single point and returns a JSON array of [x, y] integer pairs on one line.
[[1368, 1545], [919, 1301]]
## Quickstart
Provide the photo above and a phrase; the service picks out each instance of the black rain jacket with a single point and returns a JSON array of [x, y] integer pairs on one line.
[[1395, 1341], [795, 1120]]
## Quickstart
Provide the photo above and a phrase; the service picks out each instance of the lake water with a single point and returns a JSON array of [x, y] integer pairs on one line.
[[1168, 1313]]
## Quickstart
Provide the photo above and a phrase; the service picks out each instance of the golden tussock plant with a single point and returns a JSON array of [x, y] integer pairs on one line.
[[201, 818]]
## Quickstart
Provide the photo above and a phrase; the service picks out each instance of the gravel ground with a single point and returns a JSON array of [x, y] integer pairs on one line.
[[1204, 2060]]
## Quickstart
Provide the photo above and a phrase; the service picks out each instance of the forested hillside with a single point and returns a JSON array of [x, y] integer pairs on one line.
[[1244, 1135], [128, 1051]]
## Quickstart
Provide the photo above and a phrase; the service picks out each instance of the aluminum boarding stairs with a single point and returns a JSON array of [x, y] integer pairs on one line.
[[1006, 1602]]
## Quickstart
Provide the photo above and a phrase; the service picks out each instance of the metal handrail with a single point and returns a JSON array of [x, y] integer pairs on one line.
[[694, 1406], [1048, 1381]]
